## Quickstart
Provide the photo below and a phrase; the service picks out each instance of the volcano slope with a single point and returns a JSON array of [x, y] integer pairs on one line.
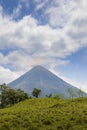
[[43, 79]]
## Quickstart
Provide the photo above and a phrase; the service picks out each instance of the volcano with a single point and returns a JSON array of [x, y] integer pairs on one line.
[[41, 78]]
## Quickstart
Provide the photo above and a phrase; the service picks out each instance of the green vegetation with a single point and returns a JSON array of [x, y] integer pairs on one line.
[[80, 93], [58, 96], [36, 92], [50, 113], [49, 95], [45, 114], [71, 93], [9, 96]]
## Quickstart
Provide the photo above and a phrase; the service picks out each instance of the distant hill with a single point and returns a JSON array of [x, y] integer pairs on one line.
[[39, 77]]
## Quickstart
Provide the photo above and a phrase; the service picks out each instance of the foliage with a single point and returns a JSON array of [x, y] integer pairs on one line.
[[58, 96], [71, 93], [49, 95], [36, 92], [45, 114], [3, 87], [80, 93], [11, 96]]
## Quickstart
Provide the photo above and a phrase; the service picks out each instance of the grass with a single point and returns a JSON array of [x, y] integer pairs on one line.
[[45, 114]]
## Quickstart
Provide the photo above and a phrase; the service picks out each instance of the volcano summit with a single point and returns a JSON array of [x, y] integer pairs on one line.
[[41, 78]]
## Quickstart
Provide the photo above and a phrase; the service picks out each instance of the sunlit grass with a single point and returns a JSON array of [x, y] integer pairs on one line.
[[45, 114]]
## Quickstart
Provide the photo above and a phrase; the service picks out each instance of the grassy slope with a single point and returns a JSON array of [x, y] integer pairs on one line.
[[45, 114]]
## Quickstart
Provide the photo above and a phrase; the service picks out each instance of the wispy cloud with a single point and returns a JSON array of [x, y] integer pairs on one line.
[[17, 11], [25, 2]]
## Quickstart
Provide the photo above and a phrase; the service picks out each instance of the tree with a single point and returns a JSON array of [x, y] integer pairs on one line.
[[80, 93], [11, 96], [21, 95], [58, 96], [3, 87], [71, 93], [49, 95], [36, 92]]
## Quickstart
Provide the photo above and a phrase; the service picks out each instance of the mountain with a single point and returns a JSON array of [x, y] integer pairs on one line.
[[39, 77]]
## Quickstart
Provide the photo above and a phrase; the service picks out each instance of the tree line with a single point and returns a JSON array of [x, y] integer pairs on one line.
[[10, 96]]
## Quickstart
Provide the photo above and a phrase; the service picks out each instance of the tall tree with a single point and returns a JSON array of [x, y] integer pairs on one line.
[[3, 87], [36, 92]]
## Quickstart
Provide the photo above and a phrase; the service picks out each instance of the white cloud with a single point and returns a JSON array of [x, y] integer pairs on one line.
[[7, 75], [39, 6], [58, 12], [35, 39]]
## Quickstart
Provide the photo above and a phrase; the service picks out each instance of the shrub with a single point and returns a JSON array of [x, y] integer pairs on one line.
[[58, 96], [47, 121]]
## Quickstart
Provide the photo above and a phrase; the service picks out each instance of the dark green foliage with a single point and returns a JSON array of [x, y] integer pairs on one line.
[[49, 95], [11, 96], [36, 92], [3, 87], [47, 121]]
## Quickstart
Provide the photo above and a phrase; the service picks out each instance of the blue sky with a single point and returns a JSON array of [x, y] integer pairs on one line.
[[49, 33]]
